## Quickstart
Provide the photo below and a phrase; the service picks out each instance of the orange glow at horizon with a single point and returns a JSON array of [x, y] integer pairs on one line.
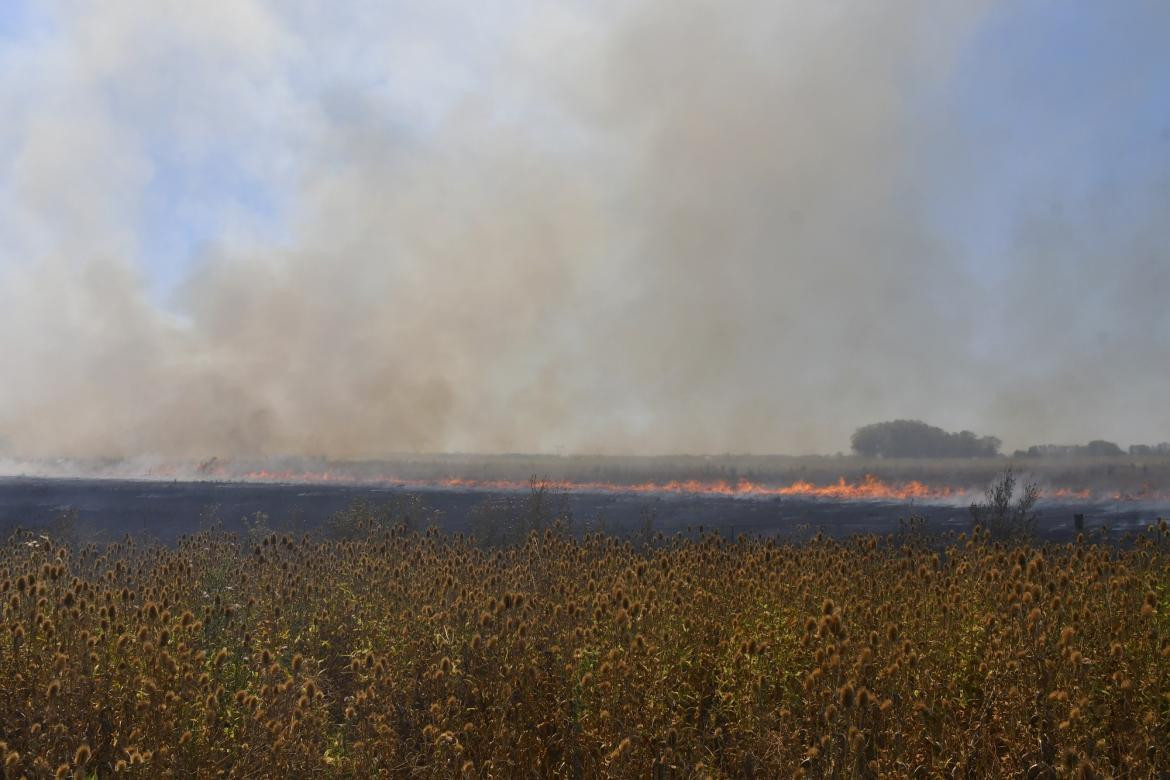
[[869, 488]]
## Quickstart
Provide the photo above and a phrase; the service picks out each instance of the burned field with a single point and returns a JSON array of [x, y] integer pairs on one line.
[[162, 511]]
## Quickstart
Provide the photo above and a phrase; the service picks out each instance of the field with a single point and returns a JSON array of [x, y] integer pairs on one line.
[[386, 650], [1124, 474]]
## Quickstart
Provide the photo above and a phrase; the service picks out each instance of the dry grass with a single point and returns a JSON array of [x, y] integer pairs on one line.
[[423, 655]]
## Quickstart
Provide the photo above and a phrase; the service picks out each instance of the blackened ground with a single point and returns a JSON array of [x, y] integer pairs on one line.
[[164, 511]]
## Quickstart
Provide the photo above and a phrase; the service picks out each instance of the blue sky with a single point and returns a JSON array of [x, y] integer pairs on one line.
[[15, 18], [1063, 101]]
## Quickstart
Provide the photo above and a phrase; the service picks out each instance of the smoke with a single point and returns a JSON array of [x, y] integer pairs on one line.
[[638, 227]]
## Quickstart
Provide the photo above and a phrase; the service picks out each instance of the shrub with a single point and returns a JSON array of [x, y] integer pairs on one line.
[[1002, 511]]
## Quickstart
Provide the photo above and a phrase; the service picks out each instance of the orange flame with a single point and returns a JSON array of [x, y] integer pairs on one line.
[[869, 488]]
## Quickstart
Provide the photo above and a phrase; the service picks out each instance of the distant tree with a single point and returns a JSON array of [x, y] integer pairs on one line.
[[1048, 450], [916, 439], [1102, 448], [1098, 448]]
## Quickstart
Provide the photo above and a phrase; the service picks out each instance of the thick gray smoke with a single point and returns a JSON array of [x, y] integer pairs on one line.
[[645, 227]]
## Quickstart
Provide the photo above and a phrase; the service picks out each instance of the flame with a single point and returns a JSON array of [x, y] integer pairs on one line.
[[869, 488]]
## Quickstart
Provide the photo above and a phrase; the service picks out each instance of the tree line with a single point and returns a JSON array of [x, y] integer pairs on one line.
[[916, 439]]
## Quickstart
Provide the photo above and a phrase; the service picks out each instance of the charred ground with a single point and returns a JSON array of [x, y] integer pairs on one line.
[[166, 510]]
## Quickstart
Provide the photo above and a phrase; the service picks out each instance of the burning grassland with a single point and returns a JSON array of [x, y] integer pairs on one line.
[[1124, 479]]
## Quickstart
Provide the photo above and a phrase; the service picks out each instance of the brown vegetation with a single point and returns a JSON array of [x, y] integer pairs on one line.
[[400, 653]]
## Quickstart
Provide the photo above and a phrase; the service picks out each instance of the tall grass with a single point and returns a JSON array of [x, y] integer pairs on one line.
[[404, 653]]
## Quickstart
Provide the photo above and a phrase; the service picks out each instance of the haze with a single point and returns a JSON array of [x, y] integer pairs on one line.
[[256, 228]]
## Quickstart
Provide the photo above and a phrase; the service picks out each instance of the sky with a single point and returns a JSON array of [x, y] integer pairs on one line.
[[361, 228]]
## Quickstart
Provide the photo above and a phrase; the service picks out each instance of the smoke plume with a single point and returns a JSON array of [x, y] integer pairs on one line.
[[250, 228]]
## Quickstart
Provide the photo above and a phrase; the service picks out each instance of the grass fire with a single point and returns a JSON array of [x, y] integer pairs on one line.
[[677, 390]]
